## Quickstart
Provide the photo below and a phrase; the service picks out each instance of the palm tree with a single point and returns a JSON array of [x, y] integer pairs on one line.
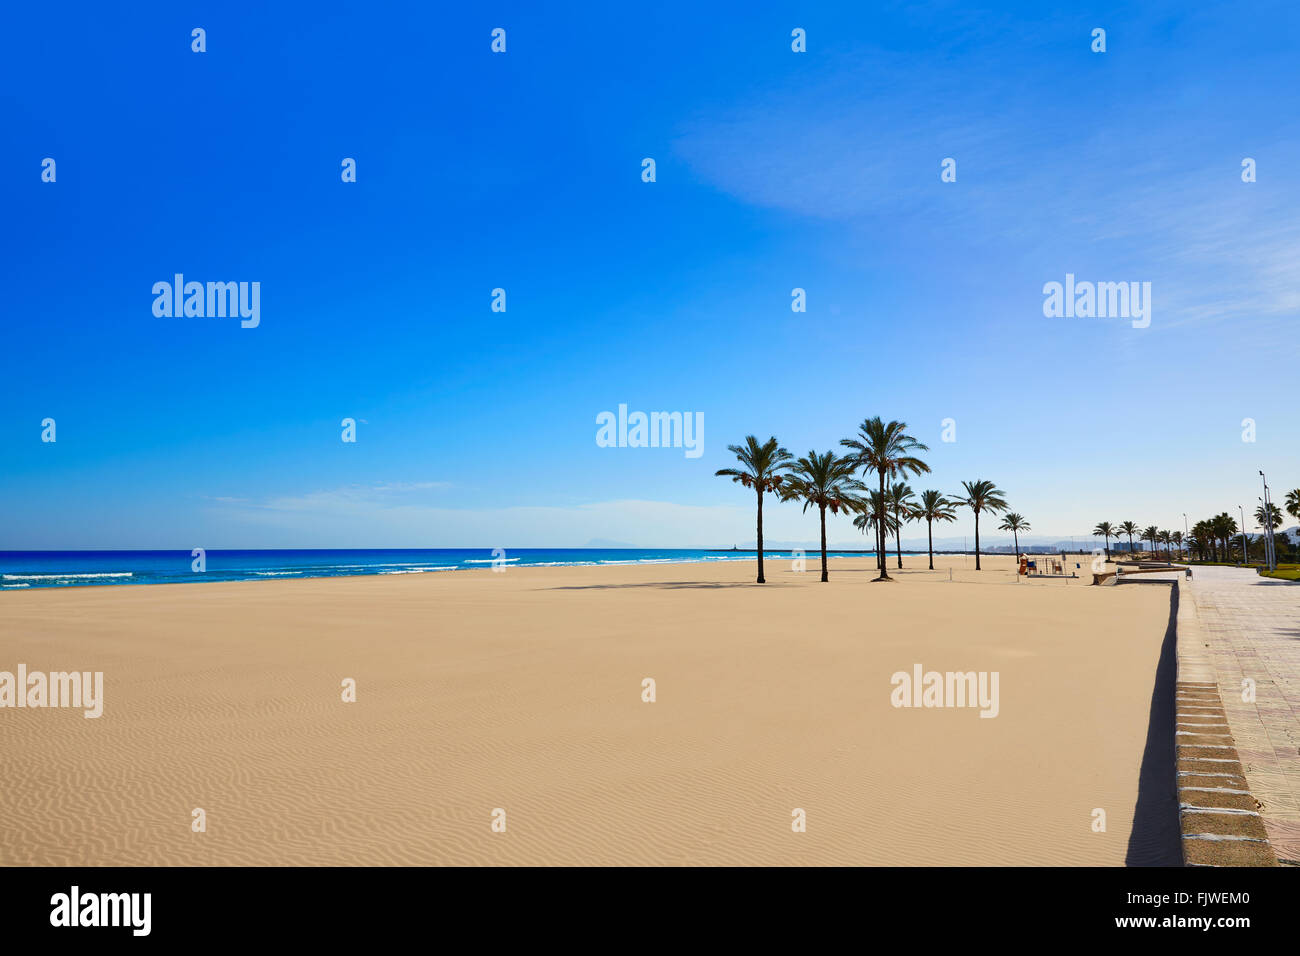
[[869, 517], [1149, 534], [888, 451], [1106, 529], [1178, 540], [1203, 534], [1224, 527], [934, 507], [1204, 531], [1166, 537], [1274, 516], [1015, 524], [827, 482], [1274, 520], [763, 470], [1129, 528], [1292, 508], [981, 496], [902, 502]]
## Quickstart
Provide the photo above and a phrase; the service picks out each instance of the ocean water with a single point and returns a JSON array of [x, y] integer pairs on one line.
[[60, 569]]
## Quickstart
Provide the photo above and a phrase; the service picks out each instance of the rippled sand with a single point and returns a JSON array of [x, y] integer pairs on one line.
[[523, 691]]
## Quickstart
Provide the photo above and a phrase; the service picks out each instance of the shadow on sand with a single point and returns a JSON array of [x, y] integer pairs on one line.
[[667, 585], [1156, 839]]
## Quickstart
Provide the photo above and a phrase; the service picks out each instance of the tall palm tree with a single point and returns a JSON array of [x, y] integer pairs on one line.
[[1178, 540], [1149, 534], [1274, 516], [762, 468], [1273, 521], [1206, 543], [1108, 530], [1224, 527], [1166, 538], [902, 502], [1292, 508], [981, 496], [1015, 524], [887, 450], [1129, 528], [869, 517], [825, 481], [934, 507]]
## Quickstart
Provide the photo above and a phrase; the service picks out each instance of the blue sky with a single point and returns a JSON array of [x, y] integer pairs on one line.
[[522, 170]]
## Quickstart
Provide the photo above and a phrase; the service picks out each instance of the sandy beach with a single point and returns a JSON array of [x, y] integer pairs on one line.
[[523, 691]]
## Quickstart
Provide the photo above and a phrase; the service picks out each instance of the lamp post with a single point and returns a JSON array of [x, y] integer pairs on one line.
[[1245, 555], [1269, 557], [1264, 510], [1262, 506], [1187, 534]]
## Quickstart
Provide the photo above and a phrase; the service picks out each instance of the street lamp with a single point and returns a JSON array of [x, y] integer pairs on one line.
[[1245, 555], [1270, 556], [1263, 507]]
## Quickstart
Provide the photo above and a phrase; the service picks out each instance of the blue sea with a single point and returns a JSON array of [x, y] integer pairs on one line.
[[61, 569]]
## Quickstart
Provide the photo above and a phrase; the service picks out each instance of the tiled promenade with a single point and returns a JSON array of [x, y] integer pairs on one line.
[[1239, 627]]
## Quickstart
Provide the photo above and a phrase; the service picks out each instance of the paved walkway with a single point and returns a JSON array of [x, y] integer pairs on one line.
[[1252, 628]]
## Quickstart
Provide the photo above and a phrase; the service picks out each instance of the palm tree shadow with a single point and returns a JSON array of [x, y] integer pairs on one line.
[[1156, 838]]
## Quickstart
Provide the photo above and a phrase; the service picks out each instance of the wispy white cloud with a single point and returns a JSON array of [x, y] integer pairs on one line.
[[1128, 194], [380, 496]]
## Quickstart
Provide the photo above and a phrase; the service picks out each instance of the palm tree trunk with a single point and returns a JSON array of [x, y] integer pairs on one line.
[[929, 530], [825, 576], [977, 541], [1016, 538], [883, 548], [761, 579], [898, 539]]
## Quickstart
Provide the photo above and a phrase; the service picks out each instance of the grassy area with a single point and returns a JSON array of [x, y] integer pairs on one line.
[[1285, 572]]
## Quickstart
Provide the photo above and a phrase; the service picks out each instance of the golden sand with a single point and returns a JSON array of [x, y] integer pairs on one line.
[[523, 691]]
